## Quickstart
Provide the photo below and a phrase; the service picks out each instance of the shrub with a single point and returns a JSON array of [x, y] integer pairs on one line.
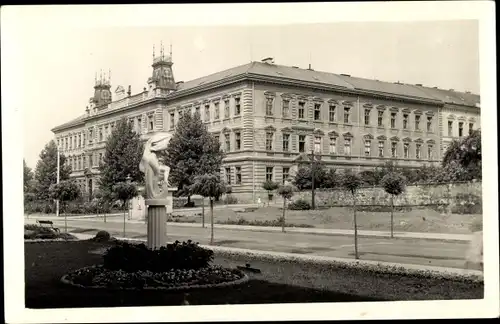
[[299, 204], [102, 236], [477, 225], [190, 204], [230, 200], [137, 257]]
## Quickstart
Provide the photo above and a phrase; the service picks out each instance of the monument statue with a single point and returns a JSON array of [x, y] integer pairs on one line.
[[155, 173]]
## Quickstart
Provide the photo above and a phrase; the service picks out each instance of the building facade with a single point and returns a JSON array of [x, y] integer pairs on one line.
[[266, 115]]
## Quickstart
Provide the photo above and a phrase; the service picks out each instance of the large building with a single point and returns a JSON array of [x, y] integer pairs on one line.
[[265, 115]]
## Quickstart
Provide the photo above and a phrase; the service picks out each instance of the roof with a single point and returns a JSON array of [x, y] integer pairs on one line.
[[73, 122], [451, 96]]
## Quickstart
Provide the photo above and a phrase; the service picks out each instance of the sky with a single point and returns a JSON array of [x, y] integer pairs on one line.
[[56, 66]]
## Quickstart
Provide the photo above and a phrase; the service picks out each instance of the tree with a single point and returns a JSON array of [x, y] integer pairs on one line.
[[209, 185], [192, 151], [123, 154], [286, 192], [394, 184], [465, 153], [331, 179], [351, 182], [303, 177], [124, 191], [65, 191], [46, 170], [27, 177], [270, 186]]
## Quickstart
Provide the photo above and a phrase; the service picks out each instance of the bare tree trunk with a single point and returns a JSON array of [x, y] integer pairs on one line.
[[356, 256], [203, 212], [65, 221], [124, 221], [392, 216], [211, 221], [283, 220]]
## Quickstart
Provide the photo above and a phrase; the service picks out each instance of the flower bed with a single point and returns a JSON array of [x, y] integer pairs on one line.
[[36, 233], [176, 279], [178, 266]]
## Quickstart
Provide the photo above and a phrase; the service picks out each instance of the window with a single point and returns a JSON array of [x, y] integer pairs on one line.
[[226, 109], [368, 145], [228, 176], [84, 138], [75, 145], [347, 146], [197, 110], [471, 128], [269, 141], [346, 115], [237, 140], [66, 143], [317, 144], [393, 120], [227, 139], [238, 174], [269, 173], [286, 142], [301, 110], [381, 145], [367, 116], [70, 142], [418, 150], [207, 113], [380, 118], [150, 122], [100, 158], [331, 114], [217, 138], [58, 144], [429, 124], [430, 151], [286, 174], [237, 107], [406, 150], [217, 112], [460, 129], [112, 126], [79, 163], [172, 120], [405, 121], [450, 128], [317, 111], [394, 152], [417, 122], [286, 108], [302, 143], [333, 145], [269, 106]]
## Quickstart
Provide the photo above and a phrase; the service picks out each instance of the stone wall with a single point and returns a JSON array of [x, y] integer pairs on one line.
[[451, 195]]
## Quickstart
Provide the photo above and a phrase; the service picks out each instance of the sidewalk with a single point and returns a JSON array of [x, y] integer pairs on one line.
[[318, 231]]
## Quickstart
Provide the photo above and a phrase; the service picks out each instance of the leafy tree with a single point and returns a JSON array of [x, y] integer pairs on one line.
[[303, 177], [27, 177], [351, 182], [465, 153], [394, 184], [65, 191], [331, 179], [124, 191], [192, 151], [46, 170], [209, 185], [286, 192], [270, 186], [369, 177], [122, 157]]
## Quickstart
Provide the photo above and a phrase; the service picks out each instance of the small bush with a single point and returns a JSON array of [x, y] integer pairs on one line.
[[102, 236], [299, 204], [230, 200], [137, 257], [267, 223], [190, 204]]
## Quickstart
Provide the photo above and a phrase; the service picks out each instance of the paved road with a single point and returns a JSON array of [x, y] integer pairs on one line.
[[414, 251]]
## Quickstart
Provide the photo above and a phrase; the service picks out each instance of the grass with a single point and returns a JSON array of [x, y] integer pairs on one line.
[[47, 262], [415, 220]]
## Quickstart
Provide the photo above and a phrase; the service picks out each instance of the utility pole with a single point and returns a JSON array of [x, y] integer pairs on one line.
[[313, 169], [58, 169]]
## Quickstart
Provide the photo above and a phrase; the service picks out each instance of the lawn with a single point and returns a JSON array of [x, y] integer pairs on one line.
[[47, 262], [416, 220]]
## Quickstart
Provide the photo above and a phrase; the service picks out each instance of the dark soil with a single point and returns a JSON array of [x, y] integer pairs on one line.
[[47, 262]]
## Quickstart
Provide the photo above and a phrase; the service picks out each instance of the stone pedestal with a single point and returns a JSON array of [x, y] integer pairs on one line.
[[158, 209]]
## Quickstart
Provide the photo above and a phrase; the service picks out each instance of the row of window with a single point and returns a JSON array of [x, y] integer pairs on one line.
[[460, 128], [216, 115], [238, 177], [72, 142], [81, 162]]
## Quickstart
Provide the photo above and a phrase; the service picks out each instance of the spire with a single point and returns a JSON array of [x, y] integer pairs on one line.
[[109, 76], [153, 52], [161, 49]]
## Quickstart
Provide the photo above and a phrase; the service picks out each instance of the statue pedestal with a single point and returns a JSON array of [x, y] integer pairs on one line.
[[157, 219]]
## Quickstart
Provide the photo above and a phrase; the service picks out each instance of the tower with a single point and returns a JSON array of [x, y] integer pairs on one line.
[[102, 90], [163, 76]]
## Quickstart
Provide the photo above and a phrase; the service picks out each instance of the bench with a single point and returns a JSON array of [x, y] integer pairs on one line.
[[47, 222]]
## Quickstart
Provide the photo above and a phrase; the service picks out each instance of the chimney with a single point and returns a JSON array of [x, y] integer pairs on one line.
[[87, 111], [347, 75], [268, 60], [419, 84], [129, 92]]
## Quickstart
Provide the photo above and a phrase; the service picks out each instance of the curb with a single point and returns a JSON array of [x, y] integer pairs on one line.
[[377, 266]]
